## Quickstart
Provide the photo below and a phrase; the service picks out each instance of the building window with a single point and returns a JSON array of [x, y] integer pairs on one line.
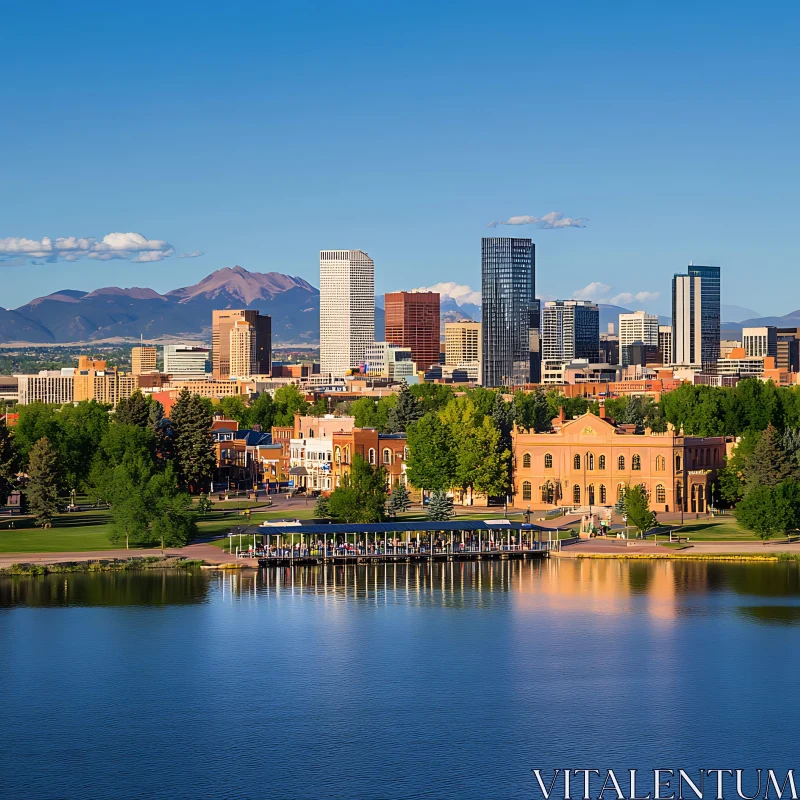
[[577, 461], [526, 490], [548, 461], [590, 493], [590, 461], [576, 494], [371, 455], [387, 455], [338, 455], [677, 463], [526, 461], [661, 463], [621, 463], [601, 462], [661, 495], [679, 493], [602, 494], [621, 492], [636, 463], [405, 454]]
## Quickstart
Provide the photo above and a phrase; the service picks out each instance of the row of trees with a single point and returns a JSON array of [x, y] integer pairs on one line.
[[143, 464]]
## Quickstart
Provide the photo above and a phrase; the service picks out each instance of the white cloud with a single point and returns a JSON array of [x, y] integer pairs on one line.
[[458, 293], [550, 221], [193, 254], [130, 246], [599, 292]]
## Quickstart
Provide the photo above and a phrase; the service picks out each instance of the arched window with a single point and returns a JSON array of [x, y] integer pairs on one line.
[[602, 494], [590, 461], [661, 495], [590, 493], [621, 463], [661, 463], [337, 455], [548, 461], [405, 454], [526, 460], [576, 462], [677, 463], [387, 455], [636, 463], [621, 491], [371, 455], [548, 493], [526, 490], [576, 494], [601, 462], [347, 454]]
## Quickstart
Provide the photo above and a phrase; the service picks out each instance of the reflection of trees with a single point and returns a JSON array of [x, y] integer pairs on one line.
[[132, 588]]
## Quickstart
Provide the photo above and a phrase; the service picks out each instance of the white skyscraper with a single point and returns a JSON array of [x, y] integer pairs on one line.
[[346, 309], [636, 327]]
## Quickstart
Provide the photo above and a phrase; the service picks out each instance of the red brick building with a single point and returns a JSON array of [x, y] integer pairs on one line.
[[412, 320]]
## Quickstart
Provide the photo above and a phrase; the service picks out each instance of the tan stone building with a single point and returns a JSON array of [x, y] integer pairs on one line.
[[590, 461], [143, 359]]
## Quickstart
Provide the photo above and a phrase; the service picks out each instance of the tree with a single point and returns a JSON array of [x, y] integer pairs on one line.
[[262, 411], [440, 507], [769, 510], [769, 464], [322, 508], [531, 411], [193, 444], [234, 408], [399, 502], [432, 455], [171, 520], [43, 482], [287, 402], [204, 505], [482, 464], [9, 463], [319, 408], [133, 410], [406, 411], [637, 509], [362, 496]]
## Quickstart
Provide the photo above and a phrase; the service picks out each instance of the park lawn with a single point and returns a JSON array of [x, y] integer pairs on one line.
[[79, 532], [716, 530]]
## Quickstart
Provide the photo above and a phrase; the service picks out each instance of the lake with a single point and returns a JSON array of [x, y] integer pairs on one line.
[[396, 681]]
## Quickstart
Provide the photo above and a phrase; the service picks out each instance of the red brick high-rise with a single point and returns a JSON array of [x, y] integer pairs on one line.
[[412, 320]]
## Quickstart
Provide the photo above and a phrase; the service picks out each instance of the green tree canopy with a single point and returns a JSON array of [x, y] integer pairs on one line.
[[406, 411], [287, 402], [770, 510], [637, 509], [432, 454], [362, 496], [133, 410], [194, 450], [44, 474], [440, 507]]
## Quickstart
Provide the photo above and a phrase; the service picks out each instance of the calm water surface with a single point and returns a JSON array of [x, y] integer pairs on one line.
[[392, 682]]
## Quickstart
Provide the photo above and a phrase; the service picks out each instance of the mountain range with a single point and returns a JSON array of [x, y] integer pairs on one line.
[[71, 315]]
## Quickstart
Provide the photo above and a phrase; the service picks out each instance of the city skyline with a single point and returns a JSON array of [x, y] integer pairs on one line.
[[406, 168]]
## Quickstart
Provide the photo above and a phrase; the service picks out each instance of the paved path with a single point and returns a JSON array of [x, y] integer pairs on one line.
[[623, 547], [207, 552]]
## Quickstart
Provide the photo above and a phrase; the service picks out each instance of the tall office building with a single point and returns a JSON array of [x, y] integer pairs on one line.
[[570, 330], [242, 349], [788, 349], [221, 324], [346, 309], [510, 312], [186, 360], [665, 344], [463, 347], [636, 327], [696, 316], [760, 342], [143, 359], [412, 320]]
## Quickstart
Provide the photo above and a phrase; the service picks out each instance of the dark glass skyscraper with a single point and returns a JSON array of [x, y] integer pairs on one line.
[[696, 316], [510, 312]]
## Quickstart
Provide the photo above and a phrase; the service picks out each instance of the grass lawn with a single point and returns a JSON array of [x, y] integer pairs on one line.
[[714, 530], [79, 532]]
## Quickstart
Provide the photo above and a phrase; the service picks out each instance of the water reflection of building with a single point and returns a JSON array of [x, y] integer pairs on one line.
[[590, 461]]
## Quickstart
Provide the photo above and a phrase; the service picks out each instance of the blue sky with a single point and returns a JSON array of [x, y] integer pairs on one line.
[[260, 133]]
